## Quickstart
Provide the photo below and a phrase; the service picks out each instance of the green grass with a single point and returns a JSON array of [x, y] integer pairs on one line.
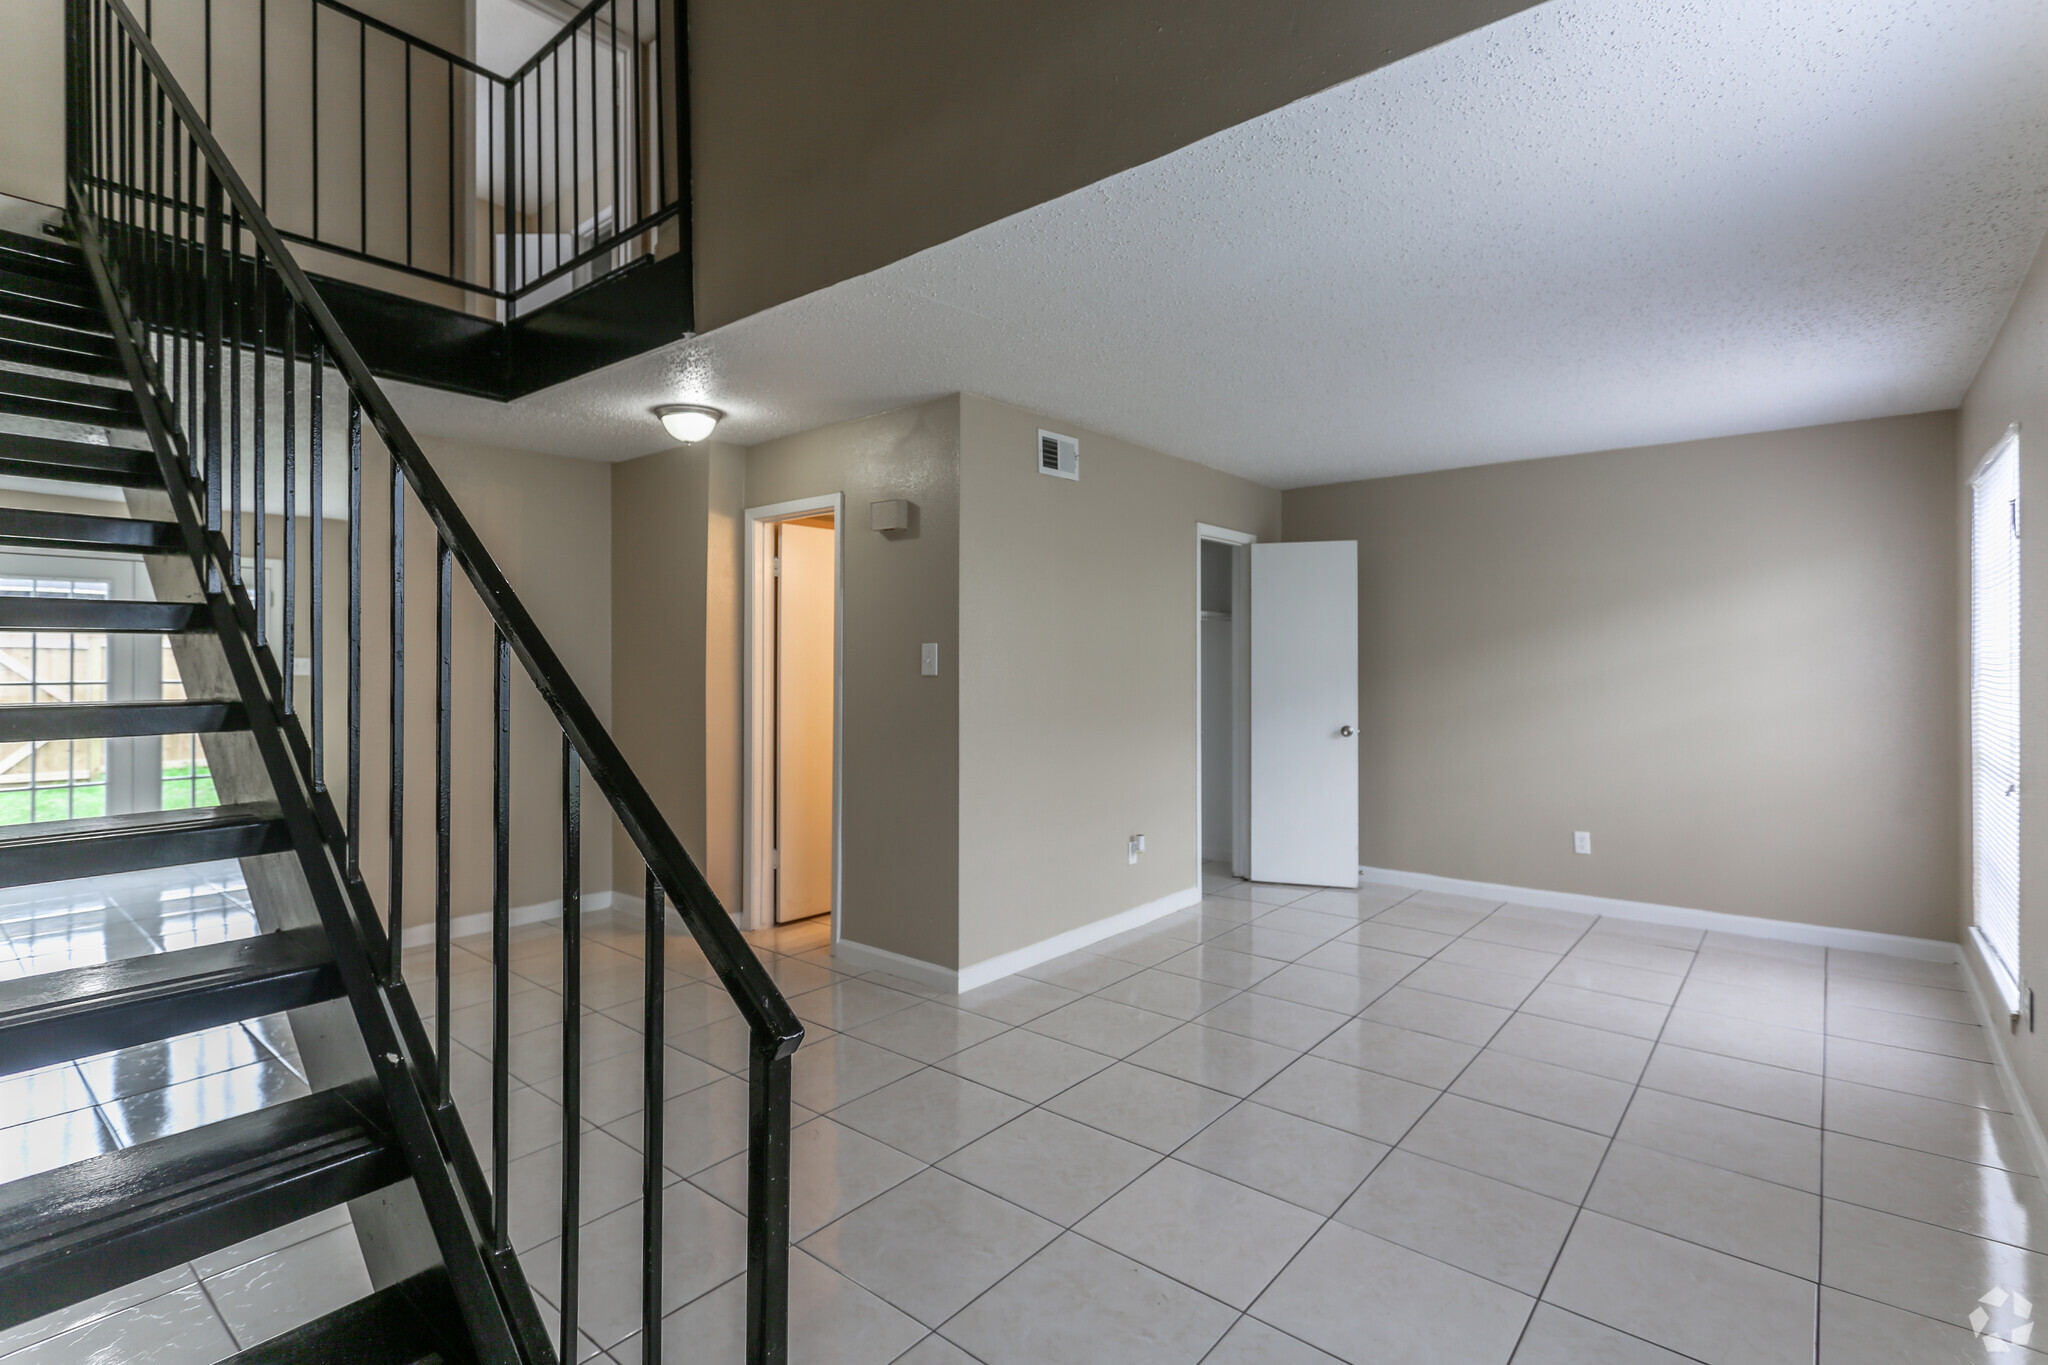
[[82, 802], [178, 795], [52, 804]]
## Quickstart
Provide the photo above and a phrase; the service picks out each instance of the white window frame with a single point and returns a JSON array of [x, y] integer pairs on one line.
[[1995, 713]]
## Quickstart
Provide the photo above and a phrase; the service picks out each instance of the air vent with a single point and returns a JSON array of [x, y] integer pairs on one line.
[[1059, 456]]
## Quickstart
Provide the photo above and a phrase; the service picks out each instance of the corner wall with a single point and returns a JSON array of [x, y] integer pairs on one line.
[[1732, 661], [1078, 616]]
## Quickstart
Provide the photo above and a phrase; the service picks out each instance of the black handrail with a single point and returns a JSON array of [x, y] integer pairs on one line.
[[200, 281], [625, 106]]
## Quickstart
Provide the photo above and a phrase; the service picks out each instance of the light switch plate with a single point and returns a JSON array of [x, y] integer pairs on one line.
[[928, 664]]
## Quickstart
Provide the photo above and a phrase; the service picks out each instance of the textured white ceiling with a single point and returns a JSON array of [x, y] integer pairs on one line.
[[1599, 223]]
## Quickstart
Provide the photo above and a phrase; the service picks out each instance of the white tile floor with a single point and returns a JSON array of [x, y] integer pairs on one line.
[[210, 1308], [1285, 1126]]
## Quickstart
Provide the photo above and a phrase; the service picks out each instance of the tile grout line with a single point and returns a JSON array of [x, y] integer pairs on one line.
[[1578, 1212]]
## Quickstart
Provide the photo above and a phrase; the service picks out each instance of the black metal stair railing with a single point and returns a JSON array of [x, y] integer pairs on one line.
[[239, 354], [372, 144]]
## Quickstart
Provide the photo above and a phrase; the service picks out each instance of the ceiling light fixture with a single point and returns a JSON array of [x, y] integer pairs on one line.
[[688, 422]]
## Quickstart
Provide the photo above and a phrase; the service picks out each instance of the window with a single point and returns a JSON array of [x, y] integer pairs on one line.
[[1995, 704], [59, 779], [187, 781]]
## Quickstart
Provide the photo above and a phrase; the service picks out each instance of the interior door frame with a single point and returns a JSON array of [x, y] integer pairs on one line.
[[757, 701], [1241, 694]]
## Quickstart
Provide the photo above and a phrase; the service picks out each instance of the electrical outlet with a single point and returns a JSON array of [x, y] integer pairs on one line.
[[1582, 841]]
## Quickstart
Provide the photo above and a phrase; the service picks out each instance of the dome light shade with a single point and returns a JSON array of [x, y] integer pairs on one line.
[[688, 422]]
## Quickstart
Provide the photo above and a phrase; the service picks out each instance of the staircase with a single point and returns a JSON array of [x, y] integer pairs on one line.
[[93, 1226], [163, 343]]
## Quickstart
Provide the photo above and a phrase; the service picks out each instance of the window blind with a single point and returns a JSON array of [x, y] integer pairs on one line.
[[1995, 700]]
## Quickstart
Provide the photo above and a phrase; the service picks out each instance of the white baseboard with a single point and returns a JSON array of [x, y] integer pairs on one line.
[[469, 926], [996, 968], [1793, 931], [862, 958], [1996, 1018]]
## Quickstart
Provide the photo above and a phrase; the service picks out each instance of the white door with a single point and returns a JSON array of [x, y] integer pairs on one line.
[[804, 645], [1304, 787]]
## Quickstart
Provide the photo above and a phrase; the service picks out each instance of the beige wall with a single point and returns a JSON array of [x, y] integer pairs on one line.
[[830, 139], [675, 656], [1731, 661], [2012, 387], [1077, 674], [32, 100], [900, 751], [547, 522]]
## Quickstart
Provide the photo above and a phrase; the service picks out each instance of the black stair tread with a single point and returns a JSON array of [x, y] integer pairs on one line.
[[79, 1012], [16, 352], [68, 271], [42, 246], [78, 531], [119, 719], [63, 338], [59, 850], [85, 614], [50, 457], [97, 401], [415, 1322], [58, 288], [86, 1228], [15, 303]]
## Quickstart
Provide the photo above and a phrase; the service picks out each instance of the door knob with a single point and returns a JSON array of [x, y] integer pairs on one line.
[[1347, 732]]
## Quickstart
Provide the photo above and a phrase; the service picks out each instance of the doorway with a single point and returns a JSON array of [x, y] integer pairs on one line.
[[794, 562], [1223, 699]]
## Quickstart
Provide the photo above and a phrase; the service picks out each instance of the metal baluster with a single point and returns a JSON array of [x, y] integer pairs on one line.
[[619, 219], [289, 663], [216, 299], [177, 299], [355, 640], [444, 754], [660, 106], [768, 1102], [452, 258], [195, 308], [554, 127], [313, 115], [316, 598], [235, 398], [575, 153], [654, 1098], [408, 154], [572, 1041], [501, 935], [363, 136], [396, 894], [263, 106], [260, 509]]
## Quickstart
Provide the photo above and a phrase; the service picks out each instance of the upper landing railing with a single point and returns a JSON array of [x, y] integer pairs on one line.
[[382, 148], [277, 442]]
